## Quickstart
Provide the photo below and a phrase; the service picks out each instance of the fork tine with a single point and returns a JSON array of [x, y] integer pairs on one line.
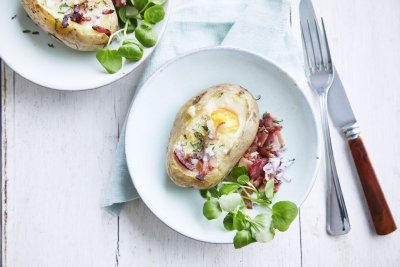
[[319, 44], [328, 52], [312, 45], [306, 48]]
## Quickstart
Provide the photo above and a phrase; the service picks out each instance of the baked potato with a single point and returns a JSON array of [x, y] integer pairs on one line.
[[210, 134], [80, 24]]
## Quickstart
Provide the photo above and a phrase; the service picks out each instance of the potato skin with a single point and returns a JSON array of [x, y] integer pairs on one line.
[[77, 36], [183, 177]]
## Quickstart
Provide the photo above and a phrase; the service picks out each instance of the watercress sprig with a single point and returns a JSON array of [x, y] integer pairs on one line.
[[229, 197], [138, 17]]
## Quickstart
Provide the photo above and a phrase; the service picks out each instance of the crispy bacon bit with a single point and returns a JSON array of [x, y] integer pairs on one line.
[[261, 138], [256, 169], [245, 162], [101, 30], [248, 203], [75, 16], [119, 3], [107, 12], [264, 150], [217, 128], [183, 160]]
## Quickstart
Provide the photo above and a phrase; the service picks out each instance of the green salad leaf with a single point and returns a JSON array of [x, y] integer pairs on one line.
[[138, 17], [228, 188], [109, 59], [154, 14], [230, 202], [261, 229], [243, 179], [242, 238], [228, 222], [130, 51], [283, 214], [230, 196], [240, 221], [212, 209], [237, 171], [269, 189], [146, 35]]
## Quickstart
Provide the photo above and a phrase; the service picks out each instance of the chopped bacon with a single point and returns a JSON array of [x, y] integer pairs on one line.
[[107, 12], [200, 169], [277, 185], [245, 162], [101, 30], [75, 16], [261, 138], [248, 203], [266, 145], [119, 3], [265, 152], [183, 160], [217, 128], [256, 169]]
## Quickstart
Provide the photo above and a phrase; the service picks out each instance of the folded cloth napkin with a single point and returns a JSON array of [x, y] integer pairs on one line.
[[262, 26]]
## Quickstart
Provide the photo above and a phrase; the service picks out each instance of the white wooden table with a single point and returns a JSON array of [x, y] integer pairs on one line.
[[57, 150]]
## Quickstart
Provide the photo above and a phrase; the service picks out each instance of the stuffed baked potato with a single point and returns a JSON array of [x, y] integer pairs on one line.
[[80, 24], [210, 134]]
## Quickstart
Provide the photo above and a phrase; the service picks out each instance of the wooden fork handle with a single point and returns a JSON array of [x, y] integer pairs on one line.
[[378, 207]]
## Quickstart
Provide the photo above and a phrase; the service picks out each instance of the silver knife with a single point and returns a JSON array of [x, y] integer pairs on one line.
[[343, 117]]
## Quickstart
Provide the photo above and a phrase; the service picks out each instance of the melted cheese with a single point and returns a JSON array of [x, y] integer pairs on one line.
[[222, 119], [93, 10]]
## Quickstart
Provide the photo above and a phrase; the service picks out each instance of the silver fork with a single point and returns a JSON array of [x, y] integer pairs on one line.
[[320, 77]]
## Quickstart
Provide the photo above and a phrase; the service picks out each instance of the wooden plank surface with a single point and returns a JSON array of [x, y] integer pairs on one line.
[[57, 150], [366, 53]]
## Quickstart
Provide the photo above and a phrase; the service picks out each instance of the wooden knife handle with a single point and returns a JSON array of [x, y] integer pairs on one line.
[[378, 207]]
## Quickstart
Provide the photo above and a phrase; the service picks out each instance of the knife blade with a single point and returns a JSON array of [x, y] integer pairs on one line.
[[343, 117], [339, 106]]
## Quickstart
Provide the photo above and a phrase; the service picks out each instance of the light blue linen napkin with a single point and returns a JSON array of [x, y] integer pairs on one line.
[[262, 26]]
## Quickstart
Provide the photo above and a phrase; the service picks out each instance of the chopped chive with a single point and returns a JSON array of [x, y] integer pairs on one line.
[[13, 17], [51, 45], [26, 31], [35, 32]]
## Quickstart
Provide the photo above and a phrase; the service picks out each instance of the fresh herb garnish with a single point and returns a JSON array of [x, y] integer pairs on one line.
[[26, 31], [198, 135], [64, 5], [35, 32], [139, 17], [51, 45], [198, 146], [230, 197], [56, 23], [13, 17], [277, 121]]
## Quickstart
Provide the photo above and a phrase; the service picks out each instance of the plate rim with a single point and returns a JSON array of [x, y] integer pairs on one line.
[[217, 48], [93, 86]]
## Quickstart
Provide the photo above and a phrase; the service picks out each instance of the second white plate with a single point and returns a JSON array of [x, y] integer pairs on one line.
[[152, 115], [59, 67]]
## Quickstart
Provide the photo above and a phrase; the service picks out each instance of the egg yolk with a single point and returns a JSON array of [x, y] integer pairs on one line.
[[226, 120]]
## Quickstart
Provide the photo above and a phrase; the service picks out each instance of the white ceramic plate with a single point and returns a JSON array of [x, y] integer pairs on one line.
[[60, 67], [153, 112]]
